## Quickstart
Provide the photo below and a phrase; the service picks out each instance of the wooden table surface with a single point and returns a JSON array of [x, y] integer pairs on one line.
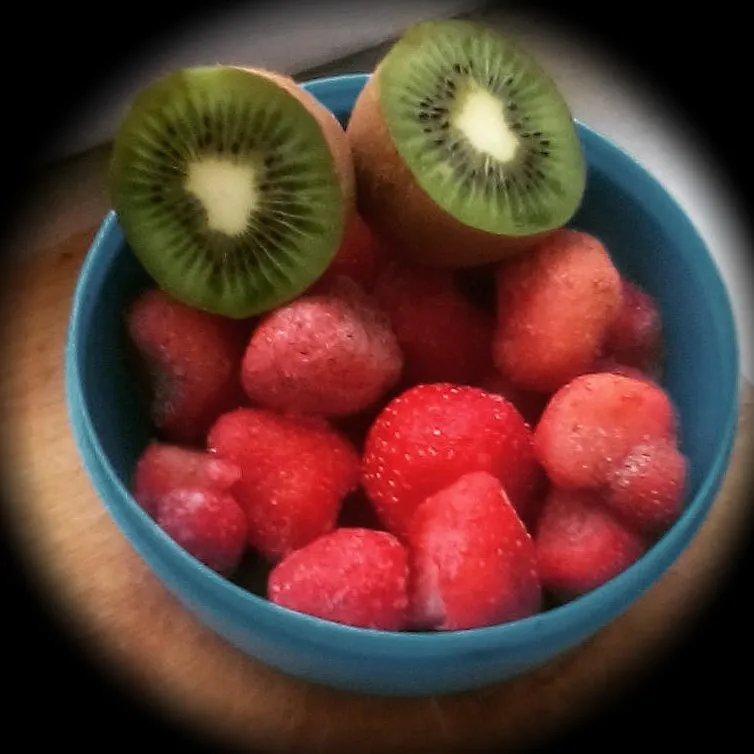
[[120, 610]]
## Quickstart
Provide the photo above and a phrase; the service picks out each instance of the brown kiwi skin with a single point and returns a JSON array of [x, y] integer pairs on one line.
[[401, 212], [336, 138]]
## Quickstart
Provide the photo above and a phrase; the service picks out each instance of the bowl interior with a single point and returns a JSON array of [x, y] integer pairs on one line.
[[117, 407], [650, 240], [648, 237]]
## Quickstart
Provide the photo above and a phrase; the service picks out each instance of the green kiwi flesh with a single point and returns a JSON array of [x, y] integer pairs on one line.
[[482, 127], [226, 190]]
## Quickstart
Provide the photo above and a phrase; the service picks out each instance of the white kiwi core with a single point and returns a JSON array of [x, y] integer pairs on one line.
[[480, 117], [228, 191]]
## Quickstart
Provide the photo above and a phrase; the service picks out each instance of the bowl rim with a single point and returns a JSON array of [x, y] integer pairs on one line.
[[108, 242]]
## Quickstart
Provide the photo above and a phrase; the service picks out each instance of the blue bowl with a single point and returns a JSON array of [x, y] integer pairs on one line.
[[651, 240]]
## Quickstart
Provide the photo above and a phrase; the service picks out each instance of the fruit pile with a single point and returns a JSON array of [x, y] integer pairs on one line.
[[379, 357]]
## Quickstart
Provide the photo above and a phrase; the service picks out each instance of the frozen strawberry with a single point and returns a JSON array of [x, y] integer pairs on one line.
[[361, 257], [163, 467], [635, 335], [581, 544], [647, 487], [431, 435], [592, 423], [554, 307], [529, 403], [352, 576], [472, 561], [330, 355], [295, 474], [208, 524], [193, 360], [444, 337]]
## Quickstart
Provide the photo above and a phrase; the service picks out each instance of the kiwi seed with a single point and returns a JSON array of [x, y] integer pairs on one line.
[[233, 187]]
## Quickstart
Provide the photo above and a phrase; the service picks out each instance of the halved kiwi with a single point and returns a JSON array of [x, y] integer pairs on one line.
[[464, 148], [233, 187]]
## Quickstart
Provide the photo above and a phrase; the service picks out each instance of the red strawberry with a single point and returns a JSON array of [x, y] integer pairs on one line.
[[330, 355], [581, 544], [635, 335], [356, 576], [592, 423], [647, 487], [193, 360], [431, 435], [361, 257], [444, 337], [472, 561], [554, 307], [208, 524], [295, 474], [163, 467]]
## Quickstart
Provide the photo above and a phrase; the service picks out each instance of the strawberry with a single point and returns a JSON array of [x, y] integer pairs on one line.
[[593, 422], [193, 360], [361, 257], [580, 544], [635, 336], [431, 435], [209, 524], [295, 474], [353, 576], [444, 337], [472, 561], [163, 467], [647, 487], [555, 305], [330, 354]]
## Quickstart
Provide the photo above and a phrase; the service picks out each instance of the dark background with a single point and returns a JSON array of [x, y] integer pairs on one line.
[[54, 59]]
